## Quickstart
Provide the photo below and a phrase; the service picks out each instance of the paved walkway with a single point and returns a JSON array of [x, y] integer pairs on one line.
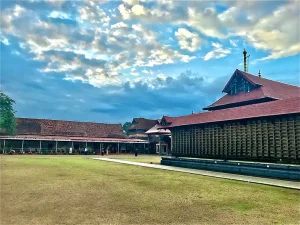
[[250, 179]]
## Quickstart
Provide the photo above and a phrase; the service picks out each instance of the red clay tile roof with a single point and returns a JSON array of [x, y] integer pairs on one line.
[[142, 124], [279, 107], [45, 127], [266, 89], [226, 100]]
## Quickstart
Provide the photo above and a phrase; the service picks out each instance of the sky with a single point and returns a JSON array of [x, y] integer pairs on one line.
[[111, 61]]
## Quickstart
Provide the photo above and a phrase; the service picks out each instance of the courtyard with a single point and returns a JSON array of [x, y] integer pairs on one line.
[[42, 189]]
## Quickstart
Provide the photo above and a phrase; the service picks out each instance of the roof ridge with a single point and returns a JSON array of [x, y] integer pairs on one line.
[[266, 79], [67, 120], [187, 115], [144, 118], [272, 102]]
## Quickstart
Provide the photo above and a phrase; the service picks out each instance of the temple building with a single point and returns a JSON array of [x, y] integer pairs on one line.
[[146, 129], [140, 126], [159, 140], [57, 137], [256, 119]]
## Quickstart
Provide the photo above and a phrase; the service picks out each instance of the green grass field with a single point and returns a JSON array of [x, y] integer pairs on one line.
[[78, 190]]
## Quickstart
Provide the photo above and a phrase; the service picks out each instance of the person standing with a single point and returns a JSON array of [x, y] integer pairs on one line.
[[70, 151], [85, 151]]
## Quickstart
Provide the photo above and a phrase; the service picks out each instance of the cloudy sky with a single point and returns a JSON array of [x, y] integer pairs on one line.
[[110, 61]]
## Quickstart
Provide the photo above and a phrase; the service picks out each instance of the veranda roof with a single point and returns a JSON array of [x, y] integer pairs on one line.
[[75, 139]]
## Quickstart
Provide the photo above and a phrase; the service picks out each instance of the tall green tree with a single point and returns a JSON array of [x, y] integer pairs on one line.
[[7, 114], [126, 126]]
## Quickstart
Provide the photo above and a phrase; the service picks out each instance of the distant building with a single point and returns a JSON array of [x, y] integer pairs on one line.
[[140, 126], [146, 129], [159, 140], [57, 136], [46, 127], [257, 119]]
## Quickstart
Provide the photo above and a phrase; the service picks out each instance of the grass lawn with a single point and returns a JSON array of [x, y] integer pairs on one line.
[[77, 190]]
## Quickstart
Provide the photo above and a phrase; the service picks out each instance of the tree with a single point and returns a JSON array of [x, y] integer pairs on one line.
[[126, 126], [7, 114]]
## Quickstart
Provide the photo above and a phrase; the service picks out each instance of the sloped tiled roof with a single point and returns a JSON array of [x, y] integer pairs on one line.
[[45, 127], [142, 124], [279, 107], [266, 89], [155, 130]]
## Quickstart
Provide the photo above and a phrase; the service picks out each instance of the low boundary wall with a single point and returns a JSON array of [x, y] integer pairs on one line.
[[286, 172]]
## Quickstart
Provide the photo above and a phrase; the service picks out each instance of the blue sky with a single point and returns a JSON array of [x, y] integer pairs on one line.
[[110, 61]]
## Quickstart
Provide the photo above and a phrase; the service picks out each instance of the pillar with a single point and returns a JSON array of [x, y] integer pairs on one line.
[[55, 146], [118, 148], [22, 145], [4, 146], [159, 145], [171, 144], [40, 146]]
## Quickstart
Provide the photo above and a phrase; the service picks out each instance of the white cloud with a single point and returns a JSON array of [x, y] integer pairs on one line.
[[162, 76], [292, 50], [130, 2], [279, 32], [124, 12], [217, 52], [119, 25], [92, 14], [95, 49], [233, 42], [18, 10], [134, 73], [148, 35], [206, 22], [270, 27], [57, 14], [4, 40], [145, 71], [188, 40], [56, 2], [138, 10], [137, 27]]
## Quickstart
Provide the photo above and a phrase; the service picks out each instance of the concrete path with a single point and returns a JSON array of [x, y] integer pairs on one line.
[[250, 179]]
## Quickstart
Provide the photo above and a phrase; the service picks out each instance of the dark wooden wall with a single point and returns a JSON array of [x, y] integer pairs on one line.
[[265, 139]]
